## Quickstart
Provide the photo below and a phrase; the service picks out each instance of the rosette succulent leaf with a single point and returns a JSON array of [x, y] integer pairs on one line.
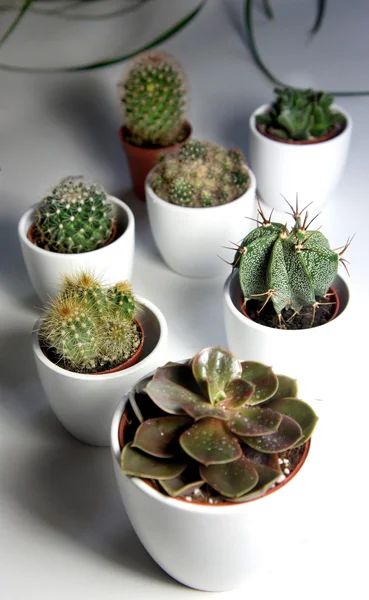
[[300, 115], [154, 97], [75, 217], [201, 174], [90, 327], [292, 268], [217, 421]]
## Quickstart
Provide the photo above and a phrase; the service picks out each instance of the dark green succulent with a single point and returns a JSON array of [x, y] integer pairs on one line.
[[300, 115], [215, 423]]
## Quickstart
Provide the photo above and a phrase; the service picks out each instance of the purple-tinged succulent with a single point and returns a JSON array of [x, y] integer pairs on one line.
[[214, 423]]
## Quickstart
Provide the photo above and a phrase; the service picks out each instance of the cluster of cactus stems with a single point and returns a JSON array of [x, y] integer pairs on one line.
[[153, 95], [201, 174], [75, 217], [300, 115], [89, 327], [217, 423], [292, 268]]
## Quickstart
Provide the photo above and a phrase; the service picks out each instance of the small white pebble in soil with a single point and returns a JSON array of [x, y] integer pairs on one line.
[[188, 498], [286, 471], [286, 461], [280, 461]]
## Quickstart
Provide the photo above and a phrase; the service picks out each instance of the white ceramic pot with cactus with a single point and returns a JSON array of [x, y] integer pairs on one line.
[[93, 342], [286, 305], [199, 200], [205, 481], [76, 227], [299, 145]]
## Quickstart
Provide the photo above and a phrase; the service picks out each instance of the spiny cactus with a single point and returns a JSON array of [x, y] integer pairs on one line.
[[75, 217], [300, 115], [215, 428], [201, 174], [291, 268], [89, 327], [153, 94]]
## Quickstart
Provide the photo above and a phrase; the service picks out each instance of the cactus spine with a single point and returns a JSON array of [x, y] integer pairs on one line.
[[75, 217], [153, 95], [89, 327]]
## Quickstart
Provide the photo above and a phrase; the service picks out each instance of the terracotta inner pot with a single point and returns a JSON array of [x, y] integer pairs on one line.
[[306, 448], [335, 130], [141, 160], [31, 238], [330, 291]]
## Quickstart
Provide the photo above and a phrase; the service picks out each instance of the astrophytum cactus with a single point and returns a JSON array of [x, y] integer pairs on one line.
[[300, 115], [153, 94], [292, 268], [75, 217], [89, 327], [201, 174], [214, 428]]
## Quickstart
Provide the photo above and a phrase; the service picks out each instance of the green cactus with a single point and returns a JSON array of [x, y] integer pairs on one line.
[[153, 95], [290, 268], [75, 217], [300, 115], [215, 428], [201, 174], [89, 327]]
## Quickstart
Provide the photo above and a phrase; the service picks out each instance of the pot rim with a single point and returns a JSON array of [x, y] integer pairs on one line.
[[26, 221], [143, 302], [195, 210], [264, 107], [243, 320]]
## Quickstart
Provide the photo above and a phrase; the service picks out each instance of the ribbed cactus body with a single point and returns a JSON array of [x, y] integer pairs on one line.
[[153, 94], [201, 174], [292, 268], [75, 217], [90, 327]]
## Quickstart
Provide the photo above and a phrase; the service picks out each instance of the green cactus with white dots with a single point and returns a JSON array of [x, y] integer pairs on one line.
[[201, 174], [75, 217], [153, 94], [291, 268], [89, 327]]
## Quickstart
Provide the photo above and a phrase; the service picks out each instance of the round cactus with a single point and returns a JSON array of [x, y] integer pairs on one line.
[[89, 327], [75, 217], [291, 268], [201, 174], [153, 94]]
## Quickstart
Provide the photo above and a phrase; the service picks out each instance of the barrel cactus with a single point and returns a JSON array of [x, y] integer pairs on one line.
[[300, 115], [89, 327], [201, 174], [291, 268], [75, 217], [215, 429], [153, 94]]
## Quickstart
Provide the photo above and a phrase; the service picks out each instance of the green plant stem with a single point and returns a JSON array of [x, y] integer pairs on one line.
[[26, 5], [249, 26], [321, 8]]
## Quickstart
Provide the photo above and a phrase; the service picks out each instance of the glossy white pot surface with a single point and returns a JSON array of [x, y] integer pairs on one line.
[[112, 263], [85, 403]]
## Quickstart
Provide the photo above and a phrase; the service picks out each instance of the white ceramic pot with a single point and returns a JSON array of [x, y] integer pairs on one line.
[[213, 548], [310, 170], [191, 240], [309, 355], [114, 261], [85, 404]]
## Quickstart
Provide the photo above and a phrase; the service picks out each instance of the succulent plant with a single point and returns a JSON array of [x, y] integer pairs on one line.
[[153, 93], [300, 115], [200, 174], [216, 424], [75, 217], [89, 327], [292, 268]]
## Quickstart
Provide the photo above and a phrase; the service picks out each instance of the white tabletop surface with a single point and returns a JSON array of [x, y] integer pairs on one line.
[[63, 529]]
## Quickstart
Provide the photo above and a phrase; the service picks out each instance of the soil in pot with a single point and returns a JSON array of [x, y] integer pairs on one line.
[[141, 159], [335, 130], [326, 311], [290, 461], [106, 368]]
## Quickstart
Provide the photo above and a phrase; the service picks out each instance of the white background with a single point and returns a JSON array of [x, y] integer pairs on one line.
[[63, 530]]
